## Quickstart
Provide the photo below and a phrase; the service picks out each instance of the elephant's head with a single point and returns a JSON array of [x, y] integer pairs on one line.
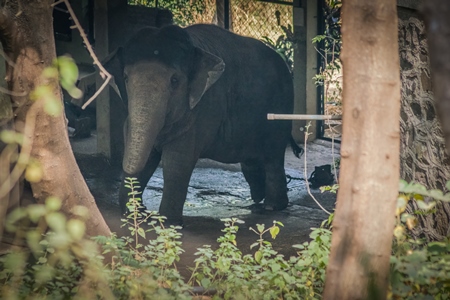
[[161, 76]]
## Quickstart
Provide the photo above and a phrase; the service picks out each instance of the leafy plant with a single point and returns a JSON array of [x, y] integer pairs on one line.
[[144, 271], [329, 78], [185, 12], [265, 274], [56, 261], [419, 269]]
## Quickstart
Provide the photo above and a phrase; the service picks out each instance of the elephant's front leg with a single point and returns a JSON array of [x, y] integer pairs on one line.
[[143, 177], [177, 171]]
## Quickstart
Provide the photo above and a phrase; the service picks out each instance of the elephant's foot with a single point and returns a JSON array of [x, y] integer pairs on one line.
[[279, 204], [173, 222], [257, 195]]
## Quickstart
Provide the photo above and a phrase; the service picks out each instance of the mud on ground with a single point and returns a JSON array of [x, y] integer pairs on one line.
[[219, 191]]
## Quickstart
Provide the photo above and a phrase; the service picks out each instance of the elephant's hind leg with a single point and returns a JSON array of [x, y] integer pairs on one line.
[[276, 186], [255, 175]]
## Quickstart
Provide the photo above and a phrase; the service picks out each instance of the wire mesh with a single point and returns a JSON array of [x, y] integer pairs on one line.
[[252, 18], [259, 19]]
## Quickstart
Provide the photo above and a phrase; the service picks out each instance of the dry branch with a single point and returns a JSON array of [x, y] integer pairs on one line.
[[83, 35]]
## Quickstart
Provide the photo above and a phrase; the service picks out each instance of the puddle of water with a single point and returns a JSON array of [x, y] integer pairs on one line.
[[211, 192], [215, 193]]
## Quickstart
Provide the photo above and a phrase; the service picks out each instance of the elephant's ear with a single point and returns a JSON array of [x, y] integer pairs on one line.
[[208, 71], [114, 65]]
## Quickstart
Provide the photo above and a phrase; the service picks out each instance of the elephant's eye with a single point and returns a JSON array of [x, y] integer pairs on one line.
[[125, 77], [174, 81]]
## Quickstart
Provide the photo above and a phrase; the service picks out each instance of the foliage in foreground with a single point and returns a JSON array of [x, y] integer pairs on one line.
[[420, 269], [60, 263]]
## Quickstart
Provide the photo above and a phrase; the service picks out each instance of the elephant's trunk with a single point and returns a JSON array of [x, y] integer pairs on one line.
[[145, 120]]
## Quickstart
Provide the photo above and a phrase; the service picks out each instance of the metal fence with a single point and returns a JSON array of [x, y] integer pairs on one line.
[[253, 18], [259, 19]]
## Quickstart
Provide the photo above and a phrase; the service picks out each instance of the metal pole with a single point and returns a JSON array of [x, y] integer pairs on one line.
[[226, 17], [303, 117]]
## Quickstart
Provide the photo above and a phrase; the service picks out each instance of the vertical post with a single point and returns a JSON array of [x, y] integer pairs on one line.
[[305, 66], [223, 14], [300, 78], [311, 19], [226, 14], [102, 101]]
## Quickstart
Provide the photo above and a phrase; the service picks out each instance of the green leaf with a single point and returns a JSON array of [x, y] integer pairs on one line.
[[50, 72], [436, 194], [68, 71], [401, 202], [278, 223], [42, 260], [437, 247], [426, 206], [76, 229], [33, 239], [399, 231], [41, 92], [34, 172], [53, 203], [53, 106], [258, 256], [141, 232], [260, 227], [36, 211], [205, 282], [275, 268], [56, 221], [75, 92], [447, 185], [11, 137], [274, 230]]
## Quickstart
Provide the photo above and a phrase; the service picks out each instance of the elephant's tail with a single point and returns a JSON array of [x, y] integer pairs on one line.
[[298, 151]]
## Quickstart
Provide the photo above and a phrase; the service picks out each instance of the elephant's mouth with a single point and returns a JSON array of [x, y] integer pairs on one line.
[[174, 129]]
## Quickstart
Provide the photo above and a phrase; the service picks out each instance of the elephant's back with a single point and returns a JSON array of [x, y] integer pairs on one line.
[[234, 49], [256, 81], [252, 69]]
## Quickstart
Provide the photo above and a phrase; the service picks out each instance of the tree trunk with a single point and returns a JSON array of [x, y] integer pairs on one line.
[[365, 212], [437, 21], [26, 33]]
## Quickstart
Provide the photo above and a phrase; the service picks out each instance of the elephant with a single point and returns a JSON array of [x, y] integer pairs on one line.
[[203, 92]]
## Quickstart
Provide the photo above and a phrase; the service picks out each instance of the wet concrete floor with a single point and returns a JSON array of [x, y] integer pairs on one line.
[[218, 191]]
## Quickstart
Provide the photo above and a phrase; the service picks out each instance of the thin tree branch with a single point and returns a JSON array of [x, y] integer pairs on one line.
[[24, 156], [11, 93], [305, 174], [90, 50], [7, 59]]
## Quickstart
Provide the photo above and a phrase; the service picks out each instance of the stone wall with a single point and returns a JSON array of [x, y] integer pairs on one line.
[[423, 155]]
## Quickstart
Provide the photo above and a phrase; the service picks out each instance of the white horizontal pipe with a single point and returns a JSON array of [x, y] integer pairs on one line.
[[303, 117]]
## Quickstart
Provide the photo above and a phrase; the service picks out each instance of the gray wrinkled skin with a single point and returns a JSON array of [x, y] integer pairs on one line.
[[203, 92]]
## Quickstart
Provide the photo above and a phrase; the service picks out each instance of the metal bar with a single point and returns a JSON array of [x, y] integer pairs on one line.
[[277, 2], [303, 117], [226, 17]]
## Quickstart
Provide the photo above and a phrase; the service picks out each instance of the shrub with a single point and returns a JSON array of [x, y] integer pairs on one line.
[[58, 262]]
